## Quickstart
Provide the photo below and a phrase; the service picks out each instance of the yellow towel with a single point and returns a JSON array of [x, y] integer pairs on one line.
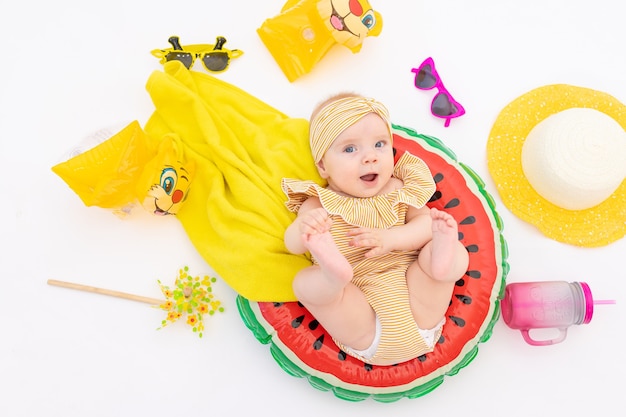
[[235, 213]]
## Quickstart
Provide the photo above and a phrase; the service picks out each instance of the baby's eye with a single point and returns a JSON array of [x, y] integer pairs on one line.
[[380, 144], [349, 149]]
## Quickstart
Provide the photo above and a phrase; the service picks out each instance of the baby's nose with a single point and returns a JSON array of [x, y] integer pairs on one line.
[[371, 156]]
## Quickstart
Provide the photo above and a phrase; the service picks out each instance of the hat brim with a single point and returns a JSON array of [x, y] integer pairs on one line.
[[592, 227]]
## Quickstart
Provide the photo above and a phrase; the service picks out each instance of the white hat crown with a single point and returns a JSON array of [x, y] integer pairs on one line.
[[575, 158]]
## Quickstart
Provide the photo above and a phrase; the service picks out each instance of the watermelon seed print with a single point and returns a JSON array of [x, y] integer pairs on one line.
[[472, 248], [464, 298], [313, 324], [319, 342], [473, 274], [436, 196], [295, 323], [458, 321], [468, 220], [452, 203]]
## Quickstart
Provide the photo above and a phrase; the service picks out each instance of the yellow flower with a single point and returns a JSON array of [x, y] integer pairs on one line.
[[173, 315], [167, 305], [192, 320]]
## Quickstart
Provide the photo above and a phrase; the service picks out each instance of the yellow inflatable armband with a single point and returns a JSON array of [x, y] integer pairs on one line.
[[128, 168], [305, 31]]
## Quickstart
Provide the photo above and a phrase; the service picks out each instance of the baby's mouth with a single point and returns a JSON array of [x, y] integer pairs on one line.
[[369, 177]]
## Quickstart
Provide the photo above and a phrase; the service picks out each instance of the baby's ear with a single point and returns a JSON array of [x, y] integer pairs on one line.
[[321, 169]]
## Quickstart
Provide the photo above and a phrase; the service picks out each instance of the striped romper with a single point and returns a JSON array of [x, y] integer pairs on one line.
[[382, 279]]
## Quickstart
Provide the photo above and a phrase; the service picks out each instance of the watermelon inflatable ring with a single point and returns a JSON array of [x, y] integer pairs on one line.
[[303, 348]]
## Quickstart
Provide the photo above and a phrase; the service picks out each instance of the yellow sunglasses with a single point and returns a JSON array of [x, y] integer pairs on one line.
[[214, 57]]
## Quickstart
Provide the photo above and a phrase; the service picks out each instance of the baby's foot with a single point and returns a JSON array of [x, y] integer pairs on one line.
[[445, 245], [333, 264]]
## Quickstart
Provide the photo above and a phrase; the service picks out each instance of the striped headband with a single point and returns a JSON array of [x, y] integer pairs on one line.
[[336, 117]]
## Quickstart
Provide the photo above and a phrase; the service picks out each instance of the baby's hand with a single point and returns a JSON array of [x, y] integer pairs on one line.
[[315, 221], [364, 237]]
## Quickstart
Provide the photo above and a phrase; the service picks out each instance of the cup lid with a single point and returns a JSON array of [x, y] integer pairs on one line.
[[588, 302]]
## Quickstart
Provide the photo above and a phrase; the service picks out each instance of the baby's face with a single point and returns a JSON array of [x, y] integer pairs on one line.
[[360, 162]]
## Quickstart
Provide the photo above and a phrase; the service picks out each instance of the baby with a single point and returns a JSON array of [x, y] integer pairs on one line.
[[384, 264]]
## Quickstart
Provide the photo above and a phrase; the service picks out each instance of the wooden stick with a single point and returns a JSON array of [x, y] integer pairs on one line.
[[104, 291]]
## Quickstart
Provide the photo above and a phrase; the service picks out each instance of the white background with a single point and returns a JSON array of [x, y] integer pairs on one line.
[[69, 68]]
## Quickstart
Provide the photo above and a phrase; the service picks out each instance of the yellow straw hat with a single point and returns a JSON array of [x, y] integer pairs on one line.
[[557, 155]]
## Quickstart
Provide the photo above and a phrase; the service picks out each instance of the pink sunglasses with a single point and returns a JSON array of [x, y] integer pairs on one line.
[[443, 104]]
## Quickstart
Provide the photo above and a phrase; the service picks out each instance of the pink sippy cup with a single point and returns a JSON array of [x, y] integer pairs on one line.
[[544, 305]]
